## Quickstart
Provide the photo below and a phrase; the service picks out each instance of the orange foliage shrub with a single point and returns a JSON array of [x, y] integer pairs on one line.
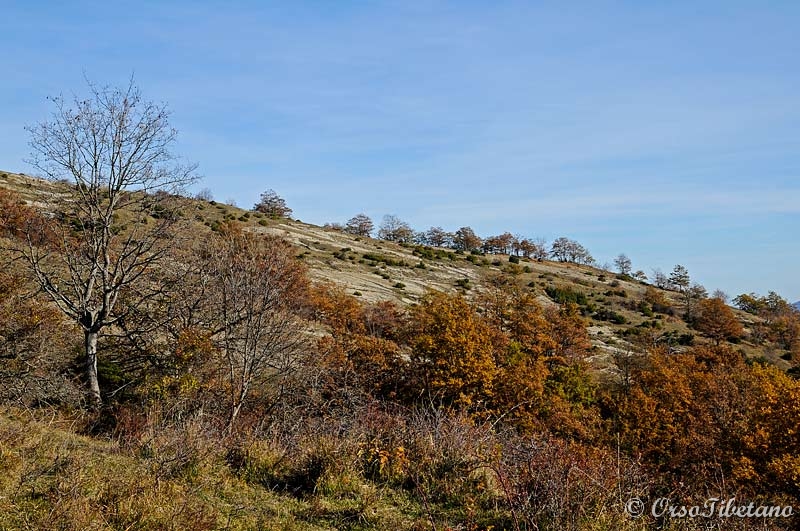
[[17, 220], [452, 351], [716, 320]]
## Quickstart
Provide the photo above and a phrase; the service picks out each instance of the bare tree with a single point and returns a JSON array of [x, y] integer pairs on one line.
[[114, 226], [623, 264], [256, 287], [205, 195], [539, 250], [660, 279], [721, 295]]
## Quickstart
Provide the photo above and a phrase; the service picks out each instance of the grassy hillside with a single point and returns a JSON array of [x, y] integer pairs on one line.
[[543, 398]]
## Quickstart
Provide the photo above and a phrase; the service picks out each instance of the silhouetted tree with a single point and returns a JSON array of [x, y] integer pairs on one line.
[[438, 237], [623, 264], [360, 225], [466, 240], [394, 229], [273, 205]]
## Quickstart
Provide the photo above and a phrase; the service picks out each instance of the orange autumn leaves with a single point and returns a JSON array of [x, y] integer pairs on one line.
[[502, 355]]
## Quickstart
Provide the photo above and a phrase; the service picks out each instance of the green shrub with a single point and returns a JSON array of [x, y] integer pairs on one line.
[[566, 295], [384, 259], [604, 314], [341, 254]]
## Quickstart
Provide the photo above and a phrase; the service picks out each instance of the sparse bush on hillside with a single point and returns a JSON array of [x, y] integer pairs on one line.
[[379, 258], [609, 315]]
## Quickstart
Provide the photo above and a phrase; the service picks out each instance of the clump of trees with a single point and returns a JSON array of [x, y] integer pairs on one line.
[[779, 320], [395, 229], [466, 240], [566, 250]]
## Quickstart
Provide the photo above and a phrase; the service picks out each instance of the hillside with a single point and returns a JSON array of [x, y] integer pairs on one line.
[[376, 270], [408, 387]]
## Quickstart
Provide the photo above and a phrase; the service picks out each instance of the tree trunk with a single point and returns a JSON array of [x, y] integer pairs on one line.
[[232, 418], [236, 407], [91, 367]]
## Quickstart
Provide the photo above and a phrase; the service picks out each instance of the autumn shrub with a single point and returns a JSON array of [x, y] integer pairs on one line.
[[452, 357], [37, 348], [658, 301], [551, 483], [711, 422], [717, 321]]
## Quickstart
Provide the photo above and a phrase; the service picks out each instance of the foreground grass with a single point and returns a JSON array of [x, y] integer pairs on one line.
[[184, 478], [51, 478]]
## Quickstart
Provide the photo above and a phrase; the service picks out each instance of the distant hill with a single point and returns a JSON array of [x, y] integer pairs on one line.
[[797, 305]]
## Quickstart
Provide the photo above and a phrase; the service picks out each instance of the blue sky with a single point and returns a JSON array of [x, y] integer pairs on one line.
[[666, 130]]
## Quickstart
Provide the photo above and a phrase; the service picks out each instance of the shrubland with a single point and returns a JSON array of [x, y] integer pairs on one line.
[[174, 363], [473, 412]]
